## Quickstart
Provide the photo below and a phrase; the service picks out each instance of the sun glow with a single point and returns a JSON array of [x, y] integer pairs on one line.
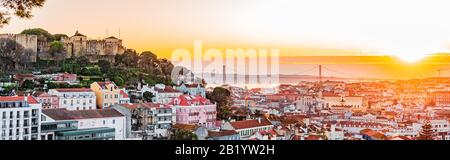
[[410, 56]]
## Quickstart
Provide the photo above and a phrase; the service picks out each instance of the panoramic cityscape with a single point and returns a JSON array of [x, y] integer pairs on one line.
[[86, 81]]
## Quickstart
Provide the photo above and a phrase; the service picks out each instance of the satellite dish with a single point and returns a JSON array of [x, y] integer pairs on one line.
[[202, 132]]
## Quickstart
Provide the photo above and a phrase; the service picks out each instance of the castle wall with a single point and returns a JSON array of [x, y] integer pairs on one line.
[[29, 42], [74, 46]]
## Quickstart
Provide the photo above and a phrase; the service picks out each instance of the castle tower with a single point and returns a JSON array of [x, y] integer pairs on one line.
[[79, 42]]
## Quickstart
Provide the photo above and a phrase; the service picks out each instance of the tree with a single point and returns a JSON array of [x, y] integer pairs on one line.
[[58, 37], [82, 61], [12, 55], [182, 134], [427, 132], [28, 84], [56, 49], [148, 96], [147, 61], [85, 72], [149, 80], [222, 97], [129, 59], [105, 66], [95, 71], [20, 8], [119, 81], [39, 32]]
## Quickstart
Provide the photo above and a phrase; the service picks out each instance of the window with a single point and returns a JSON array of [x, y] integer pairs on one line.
[[114, 121], [26, 114], [104, 122]]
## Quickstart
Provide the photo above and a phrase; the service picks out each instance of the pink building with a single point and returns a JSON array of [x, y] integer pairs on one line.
[[48, 101], [194, 110], [65, 77]]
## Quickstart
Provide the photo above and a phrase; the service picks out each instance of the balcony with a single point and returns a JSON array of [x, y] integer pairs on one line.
[[164, 114], [164, 122], [59, 126], [88, 134], [34, 124]]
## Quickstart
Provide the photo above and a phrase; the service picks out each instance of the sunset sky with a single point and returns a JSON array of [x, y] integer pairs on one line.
[[407, 29]]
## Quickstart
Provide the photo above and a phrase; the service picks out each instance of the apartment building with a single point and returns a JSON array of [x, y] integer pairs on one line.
[[19, 118], [75, 98], [87, 124], [107, 93], [194, 110]]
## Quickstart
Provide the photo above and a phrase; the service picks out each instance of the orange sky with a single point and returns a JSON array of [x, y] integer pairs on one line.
[[406, 29]]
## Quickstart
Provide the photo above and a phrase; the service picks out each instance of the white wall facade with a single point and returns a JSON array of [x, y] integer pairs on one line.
[[75, 100]]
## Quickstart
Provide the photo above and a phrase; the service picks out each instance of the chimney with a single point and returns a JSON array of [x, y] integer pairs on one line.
[[259, 120]]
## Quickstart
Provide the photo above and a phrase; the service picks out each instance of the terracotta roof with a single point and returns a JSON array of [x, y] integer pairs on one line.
[[73, 90], [192, 85], [250, 123], [221, 133], [399, 138], [30, 99], [373, 134], [124, 95], [104, 84], [44, 94], [188, 127], [154, 105], [296, 137], [167, 89], [188, 100], [64, 114], [133, 106], [313, 138], [130, 106]]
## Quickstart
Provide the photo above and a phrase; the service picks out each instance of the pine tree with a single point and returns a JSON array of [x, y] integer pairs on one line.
[[427, 132]]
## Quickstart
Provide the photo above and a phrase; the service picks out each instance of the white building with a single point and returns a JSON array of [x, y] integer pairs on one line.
[[334, 133], [161, 93], [90, 119], [19, 118], [307, 102], [75, 98], [354, 102], [248, 128]]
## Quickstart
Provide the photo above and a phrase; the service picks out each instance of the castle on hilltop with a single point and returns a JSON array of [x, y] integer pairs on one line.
[[74, 46]]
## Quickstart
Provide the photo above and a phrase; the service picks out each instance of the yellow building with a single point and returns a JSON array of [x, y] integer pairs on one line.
[[107, 93]]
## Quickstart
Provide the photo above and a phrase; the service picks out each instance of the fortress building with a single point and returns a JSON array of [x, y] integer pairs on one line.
[[74, 46], [29, 42], [79, 45]]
